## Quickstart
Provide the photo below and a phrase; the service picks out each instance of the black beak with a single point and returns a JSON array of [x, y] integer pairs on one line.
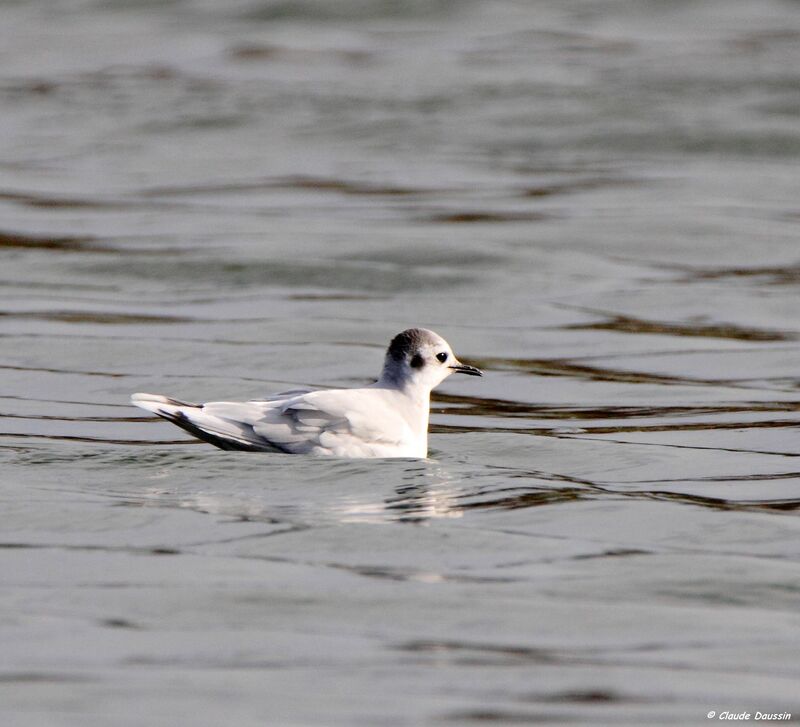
[[464, 369]]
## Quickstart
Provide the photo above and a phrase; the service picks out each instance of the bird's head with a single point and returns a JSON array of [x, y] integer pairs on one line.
[[421, 359]]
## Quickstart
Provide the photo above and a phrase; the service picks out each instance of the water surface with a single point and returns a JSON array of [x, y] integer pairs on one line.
[[597, 202]]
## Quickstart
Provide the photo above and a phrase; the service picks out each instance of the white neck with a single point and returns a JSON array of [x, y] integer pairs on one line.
[[417, 399]]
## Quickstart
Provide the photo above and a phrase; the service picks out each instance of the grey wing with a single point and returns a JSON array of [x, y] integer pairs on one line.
[[300, 428], [225, 424], [284, 395]]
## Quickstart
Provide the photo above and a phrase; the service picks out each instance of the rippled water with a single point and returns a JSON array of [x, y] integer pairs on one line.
[[595, 201]]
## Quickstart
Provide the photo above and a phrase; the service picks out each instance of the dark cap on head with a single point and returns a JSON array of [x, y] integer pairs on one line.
[[408, 342]]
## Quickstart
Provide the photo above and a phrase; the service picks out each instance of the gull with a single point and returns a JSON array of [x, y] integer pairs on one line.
[[387, 419]]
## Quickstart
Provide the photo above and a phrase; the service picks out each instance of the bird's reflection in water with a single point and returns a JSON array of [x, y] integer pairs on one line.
[[427, 492], [414, 503], [406, 491]]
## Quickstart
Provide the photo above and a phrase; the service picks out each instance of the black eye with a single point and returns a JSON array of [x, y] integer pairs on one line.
[[442, 356]]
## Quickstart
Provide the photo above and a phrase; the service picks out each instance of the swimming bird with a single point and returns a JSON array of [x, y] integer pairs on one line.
[[387, 419]]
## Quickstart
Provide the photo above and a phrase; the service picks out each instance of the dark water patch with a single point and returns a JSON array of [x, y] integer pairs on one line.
[[694, 426], [629, 324], [383, 573], [774, 505], [577, 185], [254, 52], [739, 450], [347, 10], [30, 199], [104, 79], [289, 529], [481, 654], [567, 40], [186, 122], [601, 430], [48, 370], [331, 297], [61, 285], [589, 696], [788, 274], [30, 87], [351, 277], [505, 408], [191, 506], [788, 107], [531, 498], [718, 503], [693, 87], [697, 142], [417, 500], [30, 677], [95, 317], [101, 440], [64, 401], [759, 41], [566, 368], [485, 217], [154, 72], [180, 376], [138, 336], [297, 182], [19, 241], [432, 646], [724, 350], [764, 477], [570, 369], [101, 548], [47, 417], [380, 572], [40, 201], [430, 257], [515, 498], [118, 623], [619, 553], [406, 575], [196, 663], [507, 716]]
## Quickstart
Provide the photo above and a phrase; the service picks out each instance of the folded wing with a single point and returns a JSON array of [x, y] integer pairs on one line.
[[223, 424], [346, 423]]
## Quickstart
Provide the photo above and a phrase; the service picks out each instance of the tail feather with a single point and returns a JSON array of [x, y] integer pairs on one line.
[[221, 432], [151, 402]]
